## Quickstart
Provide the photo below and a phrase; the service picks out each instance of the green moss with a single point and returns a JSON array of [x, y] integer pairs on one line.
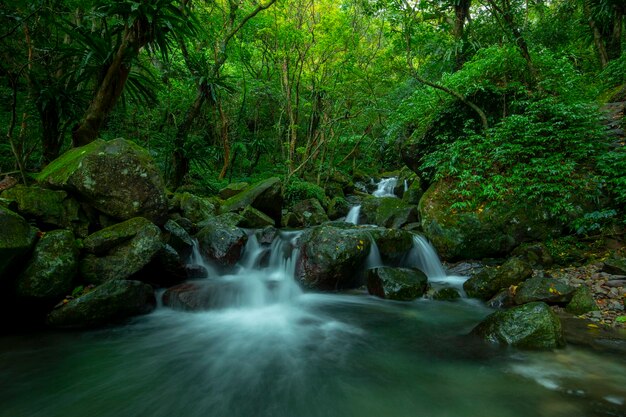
[[59, 171]]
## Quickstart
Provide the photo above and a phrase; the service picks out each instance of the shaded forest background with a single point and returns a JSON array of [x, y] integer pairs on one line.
[[499, 98]]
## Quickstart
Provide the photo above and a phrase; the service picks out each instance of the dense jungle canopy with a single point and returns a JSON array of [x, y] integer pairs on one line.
[[497, 98]]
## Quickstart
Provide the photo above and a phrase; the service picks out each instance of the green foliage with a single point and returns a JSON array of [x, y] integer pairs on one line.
[[594, 222], [298, 190]]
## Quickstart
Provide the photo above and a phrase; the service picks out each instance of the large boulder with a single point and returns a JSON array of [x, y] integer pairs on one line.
[[51, 209], [50, 273], [178, 238], [106, 304], [483, 232], [192, 207], [255, 219], [232, 190], [489, 281], [221, 242], [393, 244], [265, 196], [401, 284], [529, 326], [548, 290], [582, 302], [308, 213], [120, 251], [387, 212], [16, 238], [331, 257], [118, 178], [338, 207]]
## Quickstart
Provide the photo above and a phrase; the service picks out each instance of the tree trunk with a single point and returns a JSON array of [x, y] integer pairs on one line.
[[461, 15], [51, 138], [597, 36]]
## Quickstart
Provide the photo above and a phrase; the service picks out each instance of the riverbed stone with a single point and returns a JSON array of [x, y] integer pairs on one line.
[[255, 219], [400, 284], [221, 242], [529, 326], [582, 302], [118, 178], [50, 272], [106, 304], [489, 281], [546, 289], [141, 243], [446, 294], [331, 257], [17, 237]]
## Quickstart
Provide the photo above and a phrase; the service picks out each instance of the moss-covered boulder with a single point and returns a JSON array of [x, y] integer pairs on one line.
[[488, 282], [232, 190], [331, 257], [337, 208], [265, 196], [483, 232], [413, 194], [51, 209], [400, 284], [446, 294], [393, 244], [118, 178], [106, 304], [582, 302], [536, 254], [255, 219], [120, 251], [308, 213], [387, 212], [548, 290], [16, 238], [529, 326], [178, 238], [221, 242], [50, 272], [192, 207]]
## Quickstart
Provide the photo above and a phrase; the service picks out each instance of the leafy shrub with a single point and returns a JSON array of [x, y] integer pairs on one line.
[[298, 190]]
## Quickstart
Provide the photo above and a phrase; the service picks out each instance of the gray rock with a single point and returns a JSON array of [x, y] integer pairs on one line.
[[401, 284]]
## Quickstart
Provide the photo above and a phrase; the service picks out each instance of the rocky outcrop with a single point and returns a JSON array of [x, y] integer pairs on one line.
[[400, 284], [530, 326], [489, 281], [118, 178], [106, 304], [16, 238], [331, 257], [50, 273], [120, 251]]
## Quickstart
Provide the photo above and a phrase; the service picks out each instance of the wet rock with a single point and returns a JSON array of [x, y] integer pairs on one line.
[[118, 178], [465, 269], [265, 196], [120, 251], [414, 193], [446, 294], [586, 333], [393, 244], [108, 303], [331, 257], [548, 290], [221, 242], [16, 238], [389, 212], [582, 302], [165, 269], [200, 295], [503, 299], [255, 219], [536, 255], [400, 284], [50, 209], [337, 208], [529, 326], [266, 235], [491, 280], [50, 273], [178, 238], [196, 272], [196, 209]]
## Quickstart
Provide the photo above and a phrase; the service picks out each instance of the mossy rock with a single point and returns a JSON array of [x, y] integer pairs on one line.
[[192, 207], [102, 241], [393, 244], [389, 212], [331, 256], [400, 284], [582, 302], [414, 193], [265, 196], [17, 237], [529, 326], [232, 190], [178, 238], [255, 219], [221, 242], [548, 290], [484, 232], [536, 254], [446, 294], [337, 208], [49, 208], [615, 266], [308, 213], [491, 280], [50, 272], [125, 259], [106, 304], [118, 178]]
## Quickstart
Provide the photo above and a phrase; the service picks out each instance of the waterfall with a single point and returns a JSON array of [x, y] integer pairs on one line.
[[373, 259], [424, 257], [406, 186], [353, 215], [386, 187]]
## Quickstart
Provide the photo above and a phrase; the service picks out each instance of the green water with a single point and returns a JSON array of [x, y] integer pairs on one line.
[[318, 355]]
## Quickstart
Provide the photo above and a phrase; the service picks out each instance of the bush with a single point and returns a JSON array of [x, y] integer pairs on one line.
[[298, 190]]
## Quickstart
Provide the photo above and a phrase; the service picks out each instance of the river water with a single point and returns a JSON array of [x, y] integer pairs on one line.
[[275, 351]]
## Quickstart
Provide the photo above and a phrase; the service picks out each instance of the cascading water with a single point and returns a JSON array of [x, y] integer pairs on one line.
[[385, 188], [424, 257], [353, 215]]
